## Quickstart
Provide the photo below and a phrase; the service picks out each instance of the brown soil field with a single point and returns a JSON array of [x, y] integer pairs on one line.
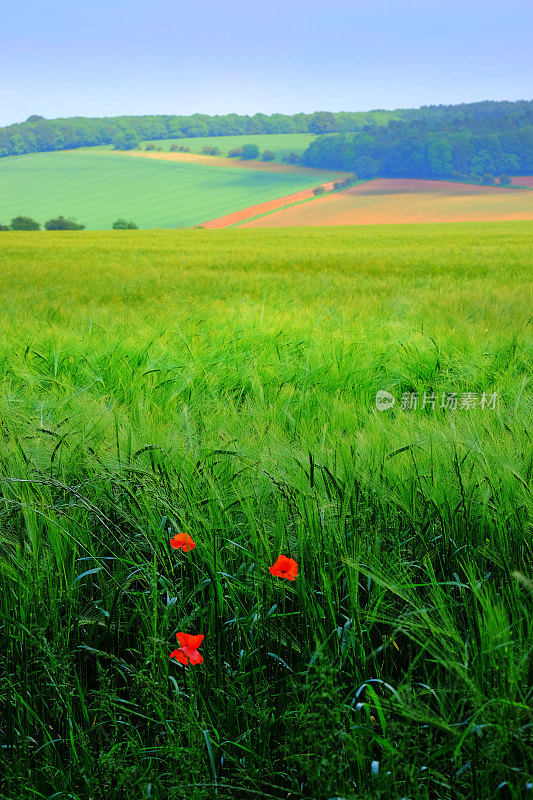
[[262, 208], [402, 201], [220, 161], [523, 180]]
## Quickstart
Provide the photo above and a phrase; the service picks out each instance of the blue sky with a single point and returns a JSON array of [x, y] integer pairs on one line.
[[107, 58]]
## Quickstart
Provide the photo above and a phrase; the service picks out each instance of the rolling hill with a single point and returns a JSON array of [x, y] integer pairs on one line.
[[97, 187], [403, 201]]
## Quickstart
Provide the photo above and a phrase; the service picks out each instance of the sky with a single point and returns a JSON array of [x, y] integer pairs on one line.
[[62, 59]]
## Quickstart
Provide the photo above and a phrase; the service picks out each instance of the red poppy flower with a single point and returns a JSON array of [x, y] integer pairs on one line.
[[188, 652], [285, 568], [182, 541]]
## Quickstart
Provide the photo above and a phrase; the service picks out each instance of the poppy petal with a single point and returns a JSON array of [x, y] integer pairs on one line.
[[195, 657], [180, 656], [195, 641]]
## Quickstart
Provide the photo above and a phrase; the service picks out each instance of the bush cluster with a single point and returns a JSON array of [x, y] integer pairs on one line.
[[60, 223]]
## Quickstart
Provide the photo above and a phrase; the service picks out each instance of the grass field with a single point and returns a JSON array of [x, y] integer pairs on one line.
[[279, 143], [394, 201], [223, 383], [98, 187]]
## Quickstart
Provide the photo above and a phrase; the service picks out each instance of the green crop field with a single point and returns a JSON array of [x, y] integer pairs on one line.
[[223, 384], [279, 143], [97, 187]]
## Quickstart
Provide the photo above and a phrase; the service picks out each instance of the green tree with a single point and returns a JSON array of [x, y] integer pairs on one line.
[[123, 225], [62, 224], [322, 122], [291, 158], [249, 151], [439, 155], [24, 224], [126, 140], [268, 155], [505, 180], [4, 228]]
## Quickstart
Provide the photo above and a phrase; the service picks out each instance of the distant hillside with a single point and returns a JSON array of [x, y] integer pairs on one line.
[[38, 134], [476, 141]]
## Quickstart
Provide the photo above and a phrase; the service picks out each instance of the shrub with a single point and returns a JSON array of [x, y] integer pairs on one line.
[[122, 225], [208, 150], [250, 151], [174, 148], [62, 224], [126, 140], [182, 148], [150, 147], [236, 153], [318, 190], [505, 180], [488, 179], [268, 155], [24, 224], [291, 158], [4, 228], [345, 183]]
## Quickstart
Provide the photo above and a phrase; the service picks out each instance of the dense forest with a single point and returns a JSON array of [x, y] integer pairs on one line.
[[479, 141], [38, 134]]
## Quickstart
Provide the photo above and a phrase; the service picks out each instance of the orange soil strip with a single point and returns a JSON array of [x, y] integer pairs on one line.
[[220, 161], [262, 208], [523, 180], [386, 201]]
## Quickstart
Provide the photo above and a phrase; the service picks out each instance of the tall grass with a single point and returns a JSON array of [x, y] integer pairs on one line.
[[223, 384]]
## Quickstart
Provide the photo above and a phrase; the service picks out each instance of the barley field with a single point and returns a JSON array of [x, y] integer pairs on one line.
[[222, 384]]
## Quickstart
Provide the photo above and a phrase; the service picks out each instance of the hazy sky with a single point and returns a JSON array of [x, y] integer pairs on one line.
[[101, 58]]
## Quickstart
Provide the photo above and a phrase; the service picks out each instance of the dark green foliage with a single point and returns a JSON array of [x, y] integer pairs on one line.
[[24, 224], [207, 150], [4, 227], [323, 122], [292, 158], [62, 224], [123, 225], [436, 142], [127, 139], [488, 180], [505, 180], [318, 190], [249, 152], [237, 152], [268, 155]]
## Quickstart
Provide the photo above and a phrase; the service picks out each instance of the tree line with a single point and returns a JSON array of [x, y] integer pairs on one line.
[[60, 223], [470, 142], [38, 134]]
